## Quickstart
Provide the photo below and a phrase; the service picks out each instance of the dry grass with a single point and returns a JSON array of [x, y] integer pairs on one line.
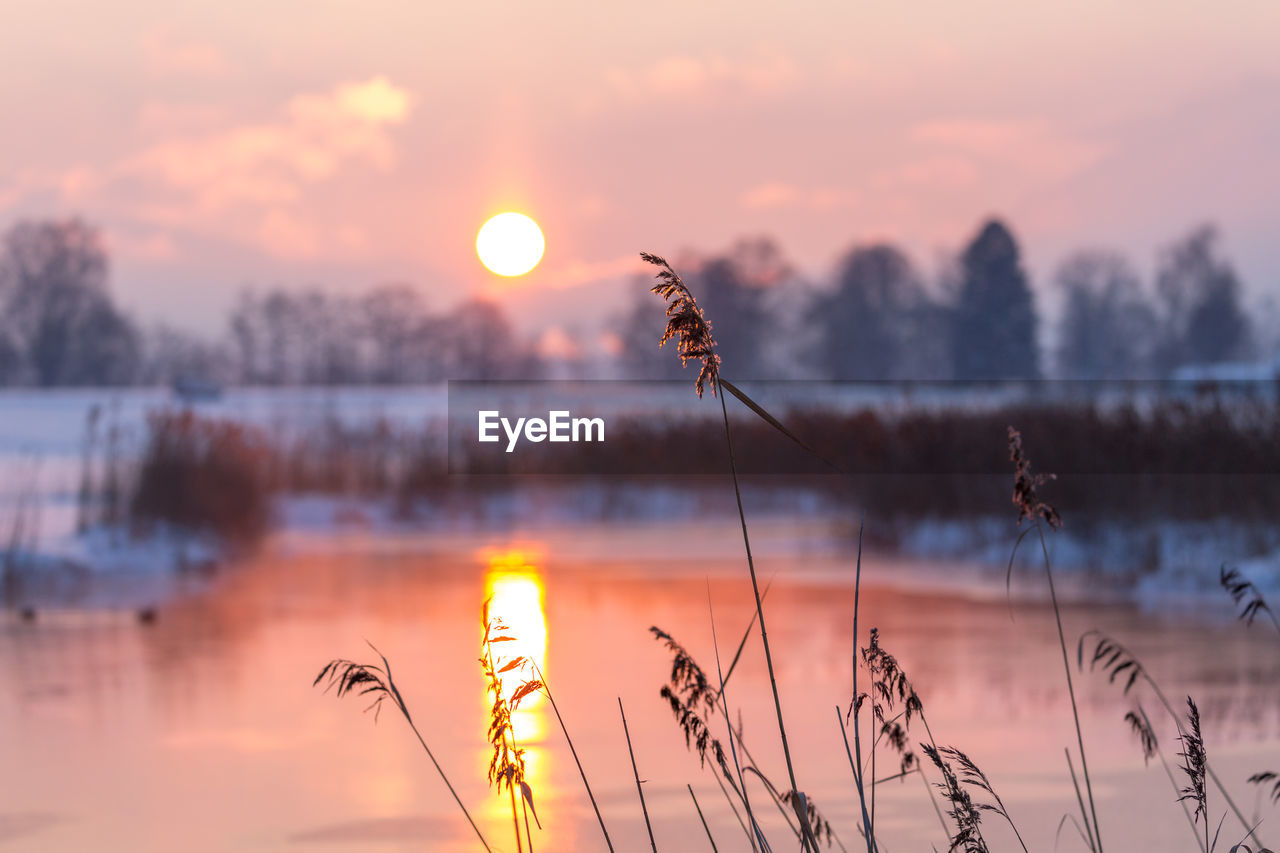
[[205, 476]]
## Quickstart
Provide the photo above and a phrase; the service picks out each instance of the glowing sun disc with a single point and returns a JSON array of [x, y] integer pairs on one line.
[[510, 244]]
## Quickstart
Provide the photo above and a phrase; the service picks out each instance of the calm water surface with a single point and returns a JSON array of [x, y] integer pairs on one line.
[[202, 731]]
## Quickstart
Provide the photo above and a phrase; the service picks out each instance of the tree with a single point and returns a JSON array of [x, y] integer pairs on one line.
[[993, 329], [733, 290], [476, 342], [391, 316], [869, 327], [10, 359], [267, 330], [1201, 319], [53, 282], [385, 336], [1108, 324], [105, 349], [170, 354], [329, 336]]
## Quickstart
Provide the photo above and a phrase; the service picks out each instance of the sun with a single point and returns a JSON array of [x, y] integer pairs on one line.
[[510, 244]]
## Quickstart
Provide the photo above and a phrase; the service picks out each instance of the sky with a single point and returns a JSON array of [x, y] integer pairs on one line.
[[342, 144]]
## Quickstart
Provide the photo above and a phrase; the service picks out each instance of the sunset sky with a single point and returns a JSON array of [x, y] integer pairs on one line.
[[345, 143]]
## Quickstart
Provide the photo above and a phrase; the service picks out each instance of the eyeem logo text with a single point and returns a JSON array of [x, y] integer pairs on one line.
[[558, 426]]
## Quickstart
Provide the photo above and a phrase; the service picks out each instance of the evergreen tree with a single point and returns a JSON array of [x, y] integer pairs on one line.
[[993, 330]]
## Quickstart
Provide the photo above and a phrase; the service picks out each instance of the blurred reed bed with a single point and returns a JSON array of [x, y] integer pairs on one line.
[[1176, 462], [204, 476]]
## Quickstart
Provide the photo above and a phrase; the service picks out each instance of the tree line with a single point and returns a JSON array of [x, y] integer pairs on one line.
[[60, 327], [878, 317]]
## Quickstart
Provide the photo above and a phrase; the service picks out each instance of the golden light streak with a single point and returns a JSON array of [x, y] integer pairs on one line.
[[515, 590]]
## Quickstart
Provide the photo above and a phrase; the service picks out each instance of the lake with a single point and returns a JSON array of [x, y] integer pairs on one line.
[[201, 730]]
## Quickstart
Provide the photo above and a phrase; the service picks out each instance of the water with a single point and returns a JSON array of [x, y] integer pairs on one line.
[[202, 731]]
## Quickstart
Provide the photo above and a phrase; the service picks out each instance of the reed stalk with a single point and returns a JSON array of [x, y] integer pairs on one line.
[[546, 688], [639, 789]]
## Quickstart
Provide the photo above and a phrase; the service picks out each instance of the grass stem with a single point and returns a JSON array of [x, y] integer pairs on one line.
[[755, 834], [636, 773], [546, 688], [857, 740], [703, 819], [809, 842], [1071, 691]]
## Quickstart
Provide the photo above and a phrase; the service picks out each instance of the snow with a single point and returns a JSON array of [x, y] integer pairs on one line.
[[42, 435]]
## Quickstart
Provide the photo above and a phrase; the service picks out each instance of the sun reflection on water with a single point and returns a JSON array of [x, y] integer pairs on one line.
[[515, 592]]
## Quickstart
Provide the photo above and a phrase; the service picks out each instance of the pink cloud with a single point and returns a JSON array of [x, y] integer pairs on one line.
[[1028, 145], [166, 56], [689, 76], [946, 171], [153, 247], [556, 343], [779, 194], [577, 272], [246, 183], [271, 162], [243, 182], [285, 235], [567, 275]]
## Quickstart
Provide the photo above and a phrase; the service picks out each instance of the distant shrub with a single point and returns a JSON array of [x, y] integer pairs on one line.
[[203, 475]]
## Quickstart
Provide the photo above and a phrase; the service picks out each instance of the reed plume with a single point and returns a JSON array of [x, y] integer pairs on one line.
[[1114, 659], [971, 776], [1026, 485], [507, 766], [1246, 595], [686, 324], [1194, 765], [890, 687], [818, 825], [686, 675], [345, 677], [960, 806], [692, 700], [1268, 777], [1141, 727]]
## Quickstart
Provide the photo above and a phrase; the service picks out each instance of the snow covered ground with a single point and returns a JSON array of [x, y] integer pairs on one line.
[[42, 441]]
